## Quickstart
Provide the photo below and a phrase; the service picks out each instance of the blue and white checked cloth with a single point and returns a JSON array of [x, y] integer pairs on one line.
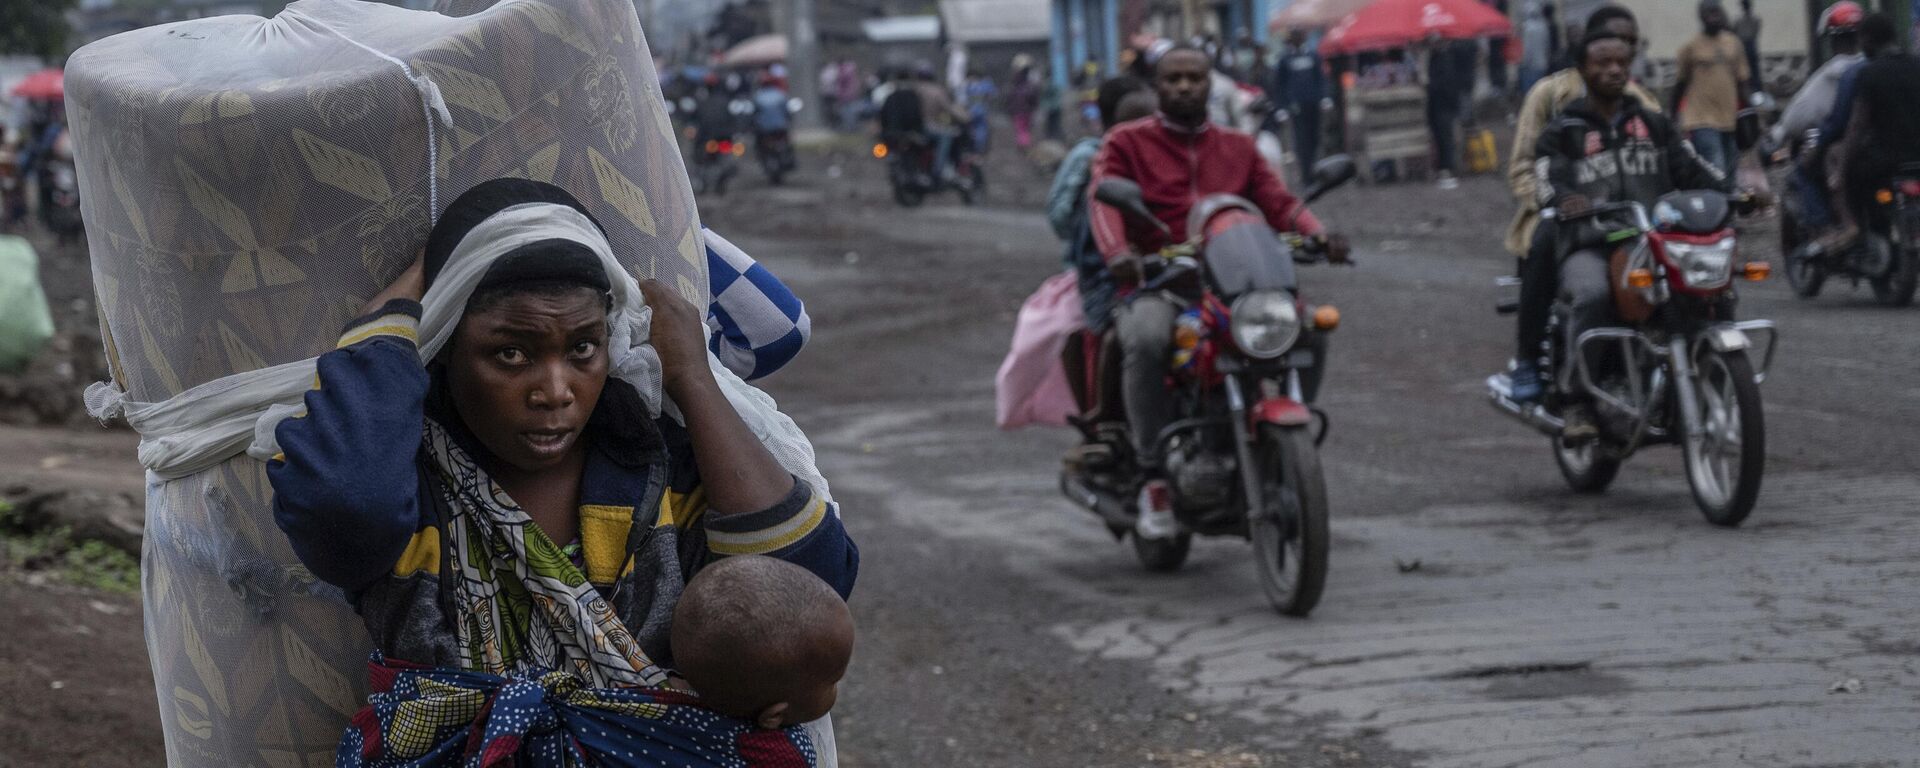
[[757, 325]]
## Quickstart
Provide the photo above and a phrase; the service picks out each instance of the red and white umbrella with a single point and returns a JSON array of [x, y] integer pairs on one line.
[[44, 85], [1313, 14], [1396, 23]]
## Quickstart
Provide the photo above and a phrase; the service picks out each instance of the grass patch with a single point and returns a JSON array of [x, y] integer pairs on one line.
[[90, 564]]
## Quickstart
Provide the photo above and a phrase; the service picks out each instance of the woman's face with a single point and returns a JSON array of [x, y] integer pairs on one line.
[[525, 372]]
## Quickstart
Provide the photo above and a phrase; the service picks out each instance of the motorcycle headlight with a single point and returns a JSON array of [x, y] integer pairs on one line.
[[1265, 324], [1702, 266]]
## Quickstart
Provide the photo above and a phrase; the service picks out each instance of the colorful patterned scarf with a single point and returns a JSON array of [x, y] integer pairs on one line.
[[435, 718], [523, 607]]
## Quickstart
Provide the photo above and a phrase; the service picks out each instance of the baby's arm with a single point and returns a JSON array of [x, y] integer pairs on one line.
[[345, 484]]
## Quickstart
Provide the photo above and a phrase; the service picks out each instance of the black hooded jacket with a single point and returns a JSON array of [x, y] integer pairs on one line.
[[1638, 157]]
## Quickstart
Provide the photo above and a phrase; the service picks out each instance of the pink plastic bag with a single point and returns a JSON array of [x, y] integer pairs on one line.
[[1032, 387]]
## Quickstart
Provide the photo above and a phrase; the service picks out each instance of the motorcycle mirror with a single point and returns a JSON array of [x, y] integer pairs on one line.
[[1126, 196], [1333, 171]]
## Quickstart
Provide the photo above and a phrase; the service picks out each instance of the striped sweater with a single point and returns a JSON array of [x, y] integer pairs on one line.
[[355, 497]]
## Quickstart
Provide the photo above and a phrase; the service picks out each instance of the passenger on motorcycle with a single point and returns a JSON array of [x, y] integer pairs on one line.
[[1528, 237], [1606, 147], [1177, 158], [1877, 102], [1840, 25]]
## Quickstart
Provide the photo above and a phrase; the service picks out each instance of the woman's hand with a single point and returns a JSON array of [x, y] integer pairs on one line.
[[679, 335], [410, 285]]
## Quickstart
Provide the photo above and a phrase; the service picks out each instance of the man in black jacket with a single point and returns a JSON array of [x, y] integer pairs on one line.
[[1607, 148]]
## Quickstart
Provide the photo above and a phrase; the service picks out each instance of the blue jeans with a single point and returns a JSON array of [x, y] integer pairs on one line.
[[1717, 148], [1815, 214]]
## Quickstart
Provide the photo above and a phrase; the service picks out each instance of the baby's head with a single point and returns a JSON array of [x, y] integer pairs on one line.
[[762, 640]]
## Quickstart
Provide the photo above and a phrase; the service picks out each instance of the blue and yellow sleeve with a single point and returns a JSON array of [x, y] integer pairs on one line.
[[346, 487], [802, 529]]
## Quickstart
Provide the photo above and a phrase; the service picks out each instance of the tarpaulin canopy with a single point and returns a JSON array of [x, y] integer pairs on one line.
[[46, 85], [756, 51], [1393, 23], [996, 21], [1313, 14]]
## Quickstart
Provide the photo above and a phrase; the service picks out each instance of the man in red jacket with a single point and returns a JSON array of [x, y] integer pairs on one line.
[[1178, 159]]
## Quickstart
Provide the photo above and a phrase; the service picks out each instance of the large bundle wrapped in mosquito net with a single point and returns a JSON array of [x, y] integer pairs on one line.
[[247, 184]]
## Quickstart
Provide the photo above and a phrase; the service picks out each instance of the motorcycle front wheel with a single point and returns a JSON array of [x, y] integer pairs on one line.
[[1291, 537], [1725, 463]]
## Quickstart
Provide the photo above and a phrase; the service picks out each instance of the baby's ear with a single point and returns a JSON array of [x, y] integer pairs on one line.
[[771, 718]]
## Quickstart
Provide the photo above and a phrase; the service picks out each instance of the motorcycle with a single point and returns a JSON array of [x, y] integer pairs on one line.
[[714, 164], [1242, 454], [60, 193], [1678, 369], [774, 149], [1886, 255], [910, 170]]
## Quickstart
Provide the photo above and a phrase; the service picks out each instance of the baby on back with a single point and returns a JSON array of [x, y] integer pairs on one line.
[[762, 640]]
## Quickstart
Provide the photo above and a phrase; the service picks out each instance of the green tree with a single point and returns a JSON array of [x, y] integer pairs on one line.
[[37, 27]]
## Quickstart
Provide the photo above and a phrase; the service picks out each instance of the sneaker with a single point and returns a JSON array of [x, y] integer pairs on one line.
[[1579, 426], [1526, 382], [1156, 511], [1447, 181]]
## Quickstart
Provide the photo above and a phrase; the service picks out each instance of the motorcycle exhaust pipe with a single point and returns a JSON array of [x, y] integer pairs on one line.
[[1107, 508], [1530, 414]]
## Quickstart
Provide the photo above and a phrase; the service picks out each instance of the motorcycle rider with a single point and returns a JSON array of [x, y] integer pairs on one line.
[[941, 118], [1840, 25], [1876, 102], [1528, 237], [1177, 158], [1606, 147], [770, 115]]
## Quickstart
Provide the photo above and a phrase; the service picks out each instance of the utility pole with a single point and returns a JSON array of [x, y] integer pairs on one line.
[[794, 18]]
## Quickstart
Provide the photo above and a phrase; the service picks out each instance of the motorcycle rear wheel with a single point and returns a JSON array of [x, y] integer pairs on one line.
[[1587, 467], [1725, 465], [1896, 289], [1291, 541], [1805, 275], [1162, 555]]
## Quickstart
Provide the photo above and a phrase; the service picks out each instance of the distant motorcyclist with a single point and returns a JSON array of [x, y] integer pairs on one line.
[[941, 117], [1874, 120], [1607, 148], [1840, 25], [1177, 158], [770, 113]]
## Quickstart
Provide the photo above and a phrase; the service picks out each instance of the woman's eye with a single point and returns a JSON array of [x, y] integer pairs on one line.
[[586, 349], [511, 356]]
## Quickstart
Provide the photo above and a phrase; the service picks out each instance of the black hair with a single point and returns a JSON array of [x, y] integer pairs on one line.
[[1180, 48], [1112, 91], [1586, 45], [1877, 31], [1608, 14]]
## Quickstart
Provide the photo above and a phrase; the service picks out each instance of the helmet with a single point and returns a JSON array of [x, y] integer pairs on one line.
[[1842, 19]]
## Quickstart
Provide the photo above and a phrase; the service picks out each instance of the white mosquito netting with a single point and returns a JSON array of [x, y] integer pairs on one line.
[[247, 184]]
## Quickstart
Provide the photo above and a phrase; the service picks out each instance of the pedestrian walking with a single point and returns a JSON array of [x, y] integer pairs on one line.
[[979, 95], [1536, 40], [1748, 30], [1497, 54], [1299, 86], [1023, 97], [1053, 109], [1714, 72], [1443, 109]]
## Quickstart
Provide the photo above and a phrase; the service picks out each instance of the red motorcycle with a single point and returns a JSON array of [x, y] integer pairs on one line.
[[1677, 369], [1242, 455]]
